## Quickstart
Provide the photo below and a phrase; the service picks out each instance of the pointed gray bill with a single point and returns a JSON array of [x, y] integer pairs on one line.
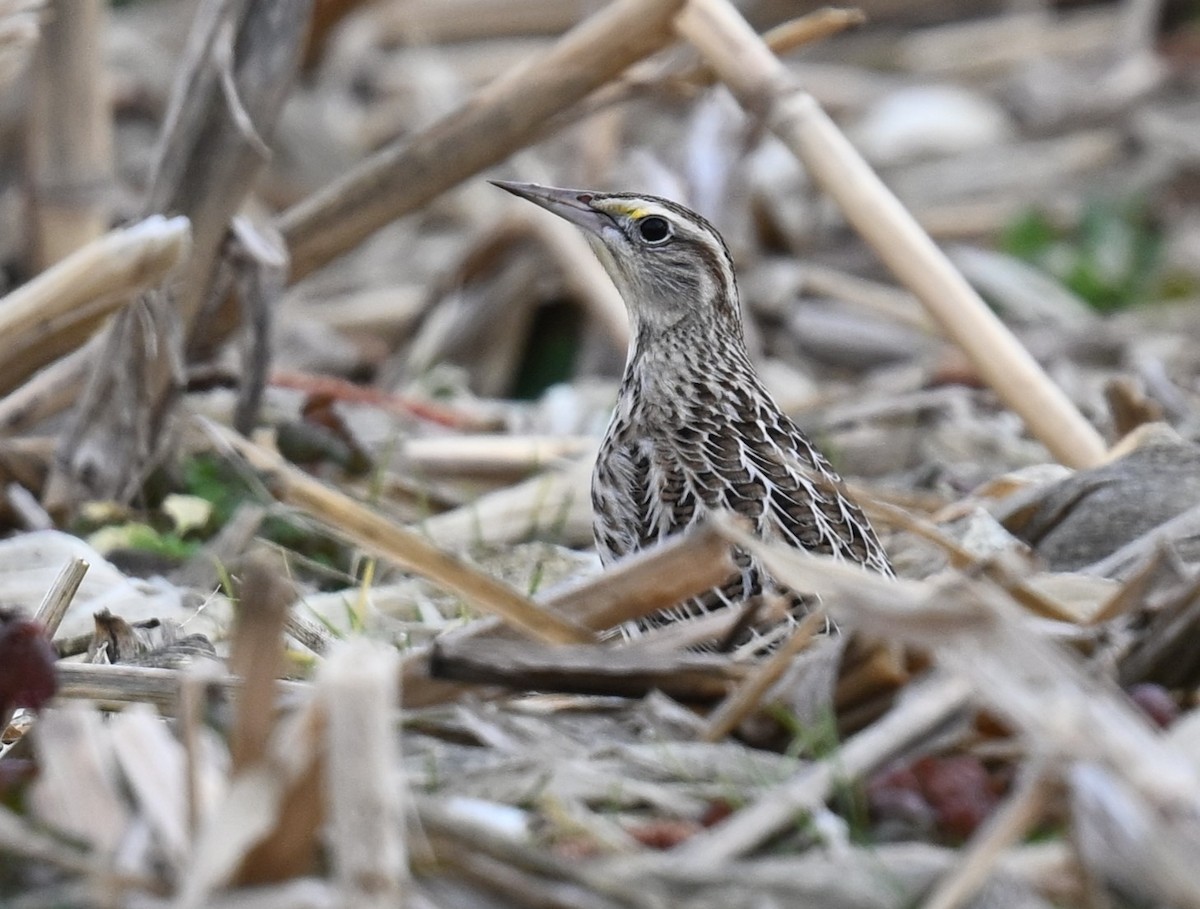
[[571, 204]]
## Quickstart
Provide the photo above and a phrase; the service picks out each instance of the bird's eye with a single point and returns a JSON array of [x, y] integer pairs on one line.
[[654, 229]]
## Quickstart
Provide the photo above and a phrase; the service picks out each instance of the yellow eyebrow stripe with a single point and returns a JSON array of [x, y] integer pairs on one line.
[[631, 211]]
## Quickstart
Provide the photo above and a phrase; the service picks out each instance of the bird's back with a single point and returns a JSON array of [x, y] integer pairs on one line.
[[687, 441]]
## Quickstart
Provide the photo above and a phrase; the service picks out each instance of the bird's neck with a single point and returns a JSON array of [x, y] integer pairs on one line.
[[690, 361]]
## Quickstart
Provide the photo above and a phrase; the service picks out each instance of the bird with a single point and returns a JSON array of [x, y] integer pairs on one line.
[[694, 430]]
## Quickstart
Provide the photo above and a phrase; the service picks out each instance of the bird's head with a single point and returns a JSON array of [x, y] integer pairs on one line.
[[670, 264]]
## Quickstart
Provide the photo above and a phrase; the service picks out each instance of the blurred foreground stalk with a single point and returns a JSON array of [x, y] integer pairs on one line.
[[70, 154]]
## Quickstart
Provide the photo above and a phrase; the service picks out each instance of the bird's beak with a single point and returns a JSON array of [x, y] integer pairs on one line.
[[571, 204]]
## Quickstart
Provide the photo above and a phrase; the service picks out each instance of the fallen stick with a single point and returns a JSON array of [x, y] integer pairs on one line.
[[488, 454], [725, 718], [998, 569], [680, 567], [557, 499], [654, 579], [620, 672], [924, 707], [688, 76], [497, 121], [765, 89], [375, 534], [118, 685], [54, 312], [636, 586], [58, 598]]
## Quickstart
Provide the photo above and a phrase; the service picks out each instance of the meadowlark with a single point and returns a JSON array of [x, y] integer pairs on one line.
[[694, 429]]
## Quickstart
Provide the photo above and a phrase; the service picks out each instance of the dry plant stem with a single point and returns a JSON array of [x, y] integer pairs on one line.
[[358, 686], [882, 671], [239, 63], [380, 537], [1008, 825], [58, 598], [923, 708], [257, 654], [194, 84], [816, 26], [52, 314], [70, 136], [118, 685], [680, 567], [263, 828], [649, 580], [453, 21], [488, 455], [20, 29], [255, 262], [294, 772], [623, 672], [48, 392], [461, 416], [653, 74], [192, 689], [502, 881], [497, 121], [28, 513], [556, 499], [154, 767], [874, 296], [1119, 766], [764, 88], [451, 834], [788, 36], [420, 689], [75, 792], [748, 696], [654, 579], [311, 634], [697, 631], [1132, 593], [962, 558], [21, 838]]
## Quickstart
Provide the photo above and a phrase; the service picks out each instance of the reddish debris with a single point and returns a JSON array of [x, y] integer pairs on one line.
[[716, 812], [664, 834], [1156, 702], [26, 665], [951, 794], [341, 390], [895, 797]]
